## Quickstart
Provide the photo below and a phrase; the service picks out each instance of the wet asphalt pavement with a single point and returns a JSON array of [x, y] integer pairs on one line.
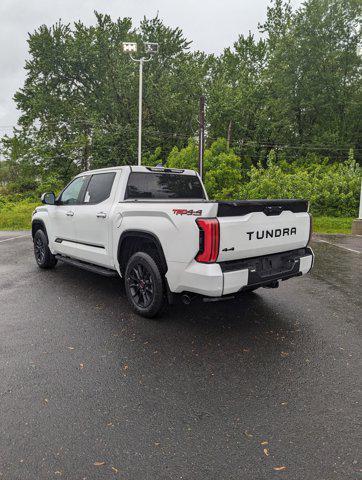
[[263, 387]]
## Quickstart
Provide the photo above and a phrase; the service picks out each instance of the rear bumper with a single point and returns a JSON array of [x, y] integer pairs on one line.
[[260, 271], [216, 280]]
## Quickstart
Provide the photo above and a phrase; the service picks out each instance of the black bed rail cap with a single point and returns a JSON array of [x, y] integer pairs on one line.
[[268, 207]]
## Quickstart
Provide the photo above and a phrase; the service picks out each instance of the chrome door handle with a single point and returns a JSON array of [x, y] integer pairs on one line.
[[101, 215], [70, 213]]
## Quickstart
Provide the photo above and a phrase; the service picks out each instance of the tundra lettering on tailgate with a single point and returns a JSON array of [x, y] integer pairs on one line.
[[278, 232]]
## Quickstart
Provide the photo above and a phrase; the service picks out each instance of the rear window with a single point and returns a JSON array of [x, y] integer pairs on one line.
[[164, 186]]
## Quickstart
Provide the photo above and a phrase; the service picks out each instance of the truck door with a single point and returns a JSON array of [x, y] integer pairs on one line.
[[92, 220], [63, 217]]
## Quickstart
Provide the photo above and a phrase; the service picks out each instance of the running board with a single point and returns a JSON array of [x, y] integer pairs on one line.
[[106, 272]]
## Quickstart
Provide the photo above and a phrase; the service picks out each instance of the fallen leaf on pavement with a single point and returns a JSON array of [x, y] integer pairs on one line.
[[264, 442], [279, 469], [81, 365], [284, 354], [248, 434], [70, 348], [266, 452], [99, 464], [115, 470]]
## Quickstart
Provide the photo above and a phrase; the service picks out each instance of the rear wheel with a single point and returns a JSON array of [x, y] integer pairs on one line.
[[43, 256], [144, 285]]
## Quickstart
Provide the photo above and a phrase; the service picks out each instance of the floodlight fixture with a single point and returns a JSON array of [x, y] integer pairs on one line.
[[129, 47], [151, 47]]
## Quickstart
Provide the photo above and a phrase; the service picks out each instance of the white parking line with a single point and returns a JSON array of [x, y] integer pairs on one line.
[[335, 245], [14, 238]]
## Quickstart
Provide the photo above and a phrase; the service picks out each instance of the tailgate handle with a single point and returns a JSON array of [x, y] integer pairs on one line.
[[273, 210]]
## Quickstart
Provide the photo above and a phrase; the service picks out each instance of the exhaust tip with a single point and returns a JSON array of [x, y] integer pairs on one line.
[[274, 284]]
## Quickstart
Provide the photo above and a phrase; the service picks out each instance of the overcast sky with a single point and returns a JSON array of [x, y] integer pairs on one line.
[[211, 24]]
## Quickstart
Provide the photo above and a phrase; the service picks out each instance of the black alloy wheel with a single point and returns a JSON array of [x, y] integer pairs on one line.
[[39, 249], [43, 256], [144, 284], [141, 285]]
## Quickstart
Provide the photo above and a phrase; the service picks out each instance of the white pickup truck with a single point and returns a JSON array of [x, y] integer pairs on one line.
[[156, 228]]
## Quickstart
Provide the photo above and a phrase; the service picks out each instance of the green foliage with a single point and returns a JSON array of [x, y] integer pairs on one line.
[[300, 86], [153, 159], [185, 157], [332, 189], [16, 216], [222, 171], [79, 101], [222, 168]]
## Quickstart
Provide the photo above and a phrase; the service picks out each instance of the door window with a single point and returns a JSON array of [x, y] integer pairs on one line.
[[73, 192], [99, 188]]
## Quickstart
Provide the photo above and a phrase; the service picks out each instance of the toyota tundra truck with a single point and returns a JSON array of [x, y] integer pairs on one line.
[[156, 228]]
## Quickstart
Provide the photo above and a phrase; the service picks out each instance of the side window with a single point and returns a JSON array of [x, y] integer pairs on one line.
[[73, 192], [99, 188]]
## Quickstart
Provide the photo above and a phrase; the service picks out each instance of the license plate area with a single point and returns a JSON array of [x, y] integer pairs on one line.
[[268, 267], [273, 265]]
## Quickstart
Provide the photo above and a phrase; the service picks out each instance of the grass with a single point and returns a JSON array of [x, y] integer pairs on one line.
[[17, 216], [332, 224]]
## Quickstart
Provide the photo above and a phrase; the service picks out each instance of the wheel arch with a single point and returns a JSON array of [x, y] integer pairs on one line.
[[140, 235], [38, 224]]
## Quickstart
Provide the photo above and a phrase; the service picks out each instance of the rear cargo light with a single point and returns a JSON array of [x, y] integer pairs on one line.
[[209, 240]]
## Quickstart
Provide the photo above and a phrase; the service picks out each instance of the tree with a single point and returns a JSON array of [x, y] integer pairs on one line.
[[313, 74], [80, 97], [296, 91]]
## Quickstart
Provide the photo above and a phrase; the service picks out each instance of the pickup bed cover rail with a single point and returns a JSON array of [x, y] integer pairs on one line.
[[269, 207]]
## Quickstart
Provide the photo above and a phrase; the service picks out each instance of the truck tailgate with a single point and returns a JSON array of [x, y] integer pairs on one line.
[[274, 227]]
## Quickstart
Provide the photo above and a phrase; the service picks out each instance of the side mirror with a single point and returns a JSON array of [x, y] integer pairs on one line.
[[48, 198]]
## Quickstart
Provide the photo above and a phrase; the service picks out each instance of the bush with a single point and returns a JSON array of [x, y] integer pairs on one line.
[[222, 168], [332, 189], [16, 215]]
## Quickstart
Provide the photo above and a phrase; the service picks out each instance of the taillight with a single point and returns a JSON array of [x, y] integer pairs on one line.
[[209, 240]]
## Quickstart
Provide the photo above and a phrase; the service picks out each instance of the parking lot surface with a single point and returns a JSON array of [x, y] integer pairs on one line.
[[265, 386]]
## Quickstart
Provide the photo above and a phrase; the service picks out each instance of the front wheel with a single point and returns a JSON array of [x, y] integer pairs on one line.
[[144, 285], [43, 256]]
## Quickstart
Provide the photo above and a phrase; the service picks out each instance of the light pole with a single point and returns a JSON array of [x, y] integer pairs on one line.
[[151, 49]]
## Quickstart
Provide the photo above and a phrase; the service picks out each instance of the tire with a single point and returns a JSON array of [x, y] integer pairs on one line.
[[144, 285], [43, 256]]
